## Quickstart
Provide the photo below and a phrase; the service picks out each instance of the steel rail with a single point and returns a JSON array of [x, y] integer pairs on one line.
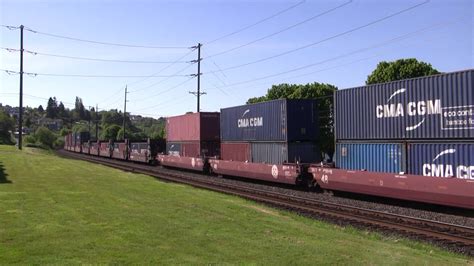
[[452, 234]]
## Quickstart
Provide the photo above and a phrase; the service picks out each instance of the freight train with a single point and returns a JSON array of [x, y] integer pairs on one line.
[[410, 139]]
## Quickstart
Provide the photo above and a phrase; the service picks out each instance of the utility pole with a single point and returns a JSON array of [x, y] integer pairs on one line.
[[97, 122], [124, 111], [90, 120], [198, 75], [20, 116], [199, 79]]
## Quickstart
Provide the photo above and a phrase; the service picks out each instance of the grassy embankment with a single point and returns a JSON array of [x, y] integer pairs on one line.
[[55, 210]]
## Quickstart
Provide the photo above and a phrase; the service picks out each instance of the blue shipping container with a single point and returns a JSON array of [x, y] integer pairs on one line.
[[442, 159], [375, 157], [279, 120], [432, 107]]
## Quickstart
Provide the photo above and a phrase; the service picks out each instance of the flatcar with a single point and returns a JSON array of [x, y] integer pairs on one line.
[[410, 139]]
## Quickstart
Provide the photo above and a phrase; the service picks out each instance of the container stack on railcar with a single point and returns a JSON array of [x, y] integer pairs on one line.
[[145, 151], [190, 139], [120, 149], [412, 129], [78, 139], [105, 148], [269, 140], [193, 135]]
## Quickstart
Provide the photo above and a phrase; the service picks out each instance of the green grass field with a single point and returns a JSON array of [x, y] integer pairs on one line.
[[55, 210]]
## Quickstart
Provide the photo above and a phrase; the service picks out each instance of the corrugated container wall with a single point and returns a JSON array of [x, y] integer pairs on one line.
[[236, 151], [278, 120], [432, 107], [376, 157], [193, 127], [442, 159], [278, 153], [193, 148]]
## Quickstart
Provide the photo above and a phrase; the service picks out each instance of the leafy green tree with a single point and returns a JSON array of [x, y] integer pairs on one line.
[[110, 132], [28, 122], [79, 112], [257, 100], [80, 126], [7, 124], [62, 112], [320, 91], [400, 69], [45, 137], [64, 131], [40, 109], [52, 108]]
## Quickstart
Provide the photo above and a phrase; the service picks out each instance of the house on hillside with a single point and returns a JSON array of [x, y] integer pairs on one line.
[[53, 124]]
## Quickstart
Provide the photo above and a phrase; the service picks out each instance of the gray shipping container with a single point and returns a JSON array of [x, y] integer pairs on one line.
[[375, 157], [279, 153], [442, 159], [273, 121], [432, 107]]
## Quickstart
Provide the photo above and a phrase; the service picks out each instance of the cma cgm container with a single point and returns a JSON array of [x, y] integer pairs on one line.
[[432, 107], [442, 159], [274, 121], [285, 152], [375, 157], [201, 126]]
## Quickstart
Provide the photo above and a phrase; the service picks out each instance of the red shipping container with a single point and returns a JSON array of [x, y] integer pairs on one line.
[[201, 126], [235, 151]]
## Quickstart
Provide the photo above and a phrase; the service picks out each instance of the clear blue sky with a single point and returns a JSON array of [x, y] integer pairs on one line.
[[443, 37]]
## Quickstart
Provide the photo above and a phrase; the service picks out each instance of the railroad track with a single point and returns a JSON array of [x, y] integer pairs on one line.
[[445, 234]]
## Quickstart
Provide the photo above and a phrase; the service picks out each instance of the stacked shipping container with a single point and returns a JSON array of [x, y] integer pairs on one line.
[[193, 135], [274, 132], [422, 126]]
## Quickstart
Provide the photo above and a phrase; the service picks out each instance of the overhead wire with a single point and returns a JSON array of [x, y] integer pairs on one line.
[[256, 23], [104, 43], [93, 59], [395, 39], [162, 92], [89, 76], [348, 63], [174, 87], [162, 69], [10, 27], [281, 30], [326, 39]]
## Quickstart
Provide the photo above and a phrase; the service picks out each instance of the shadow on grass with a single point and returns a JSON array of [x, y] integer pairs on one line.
[[3, 175]]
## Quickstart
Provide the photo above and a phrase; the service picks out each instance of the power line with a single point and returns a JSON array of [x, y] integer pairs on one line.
[[282, 30], [93, 59], [402, 37], [256, 23], [174, 87], [161, 70], [10, 27], [162, 92], [87, 76], [36, 97], [342, 65], [163, 80], [324, 40], [150, 76], [105, 43]]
